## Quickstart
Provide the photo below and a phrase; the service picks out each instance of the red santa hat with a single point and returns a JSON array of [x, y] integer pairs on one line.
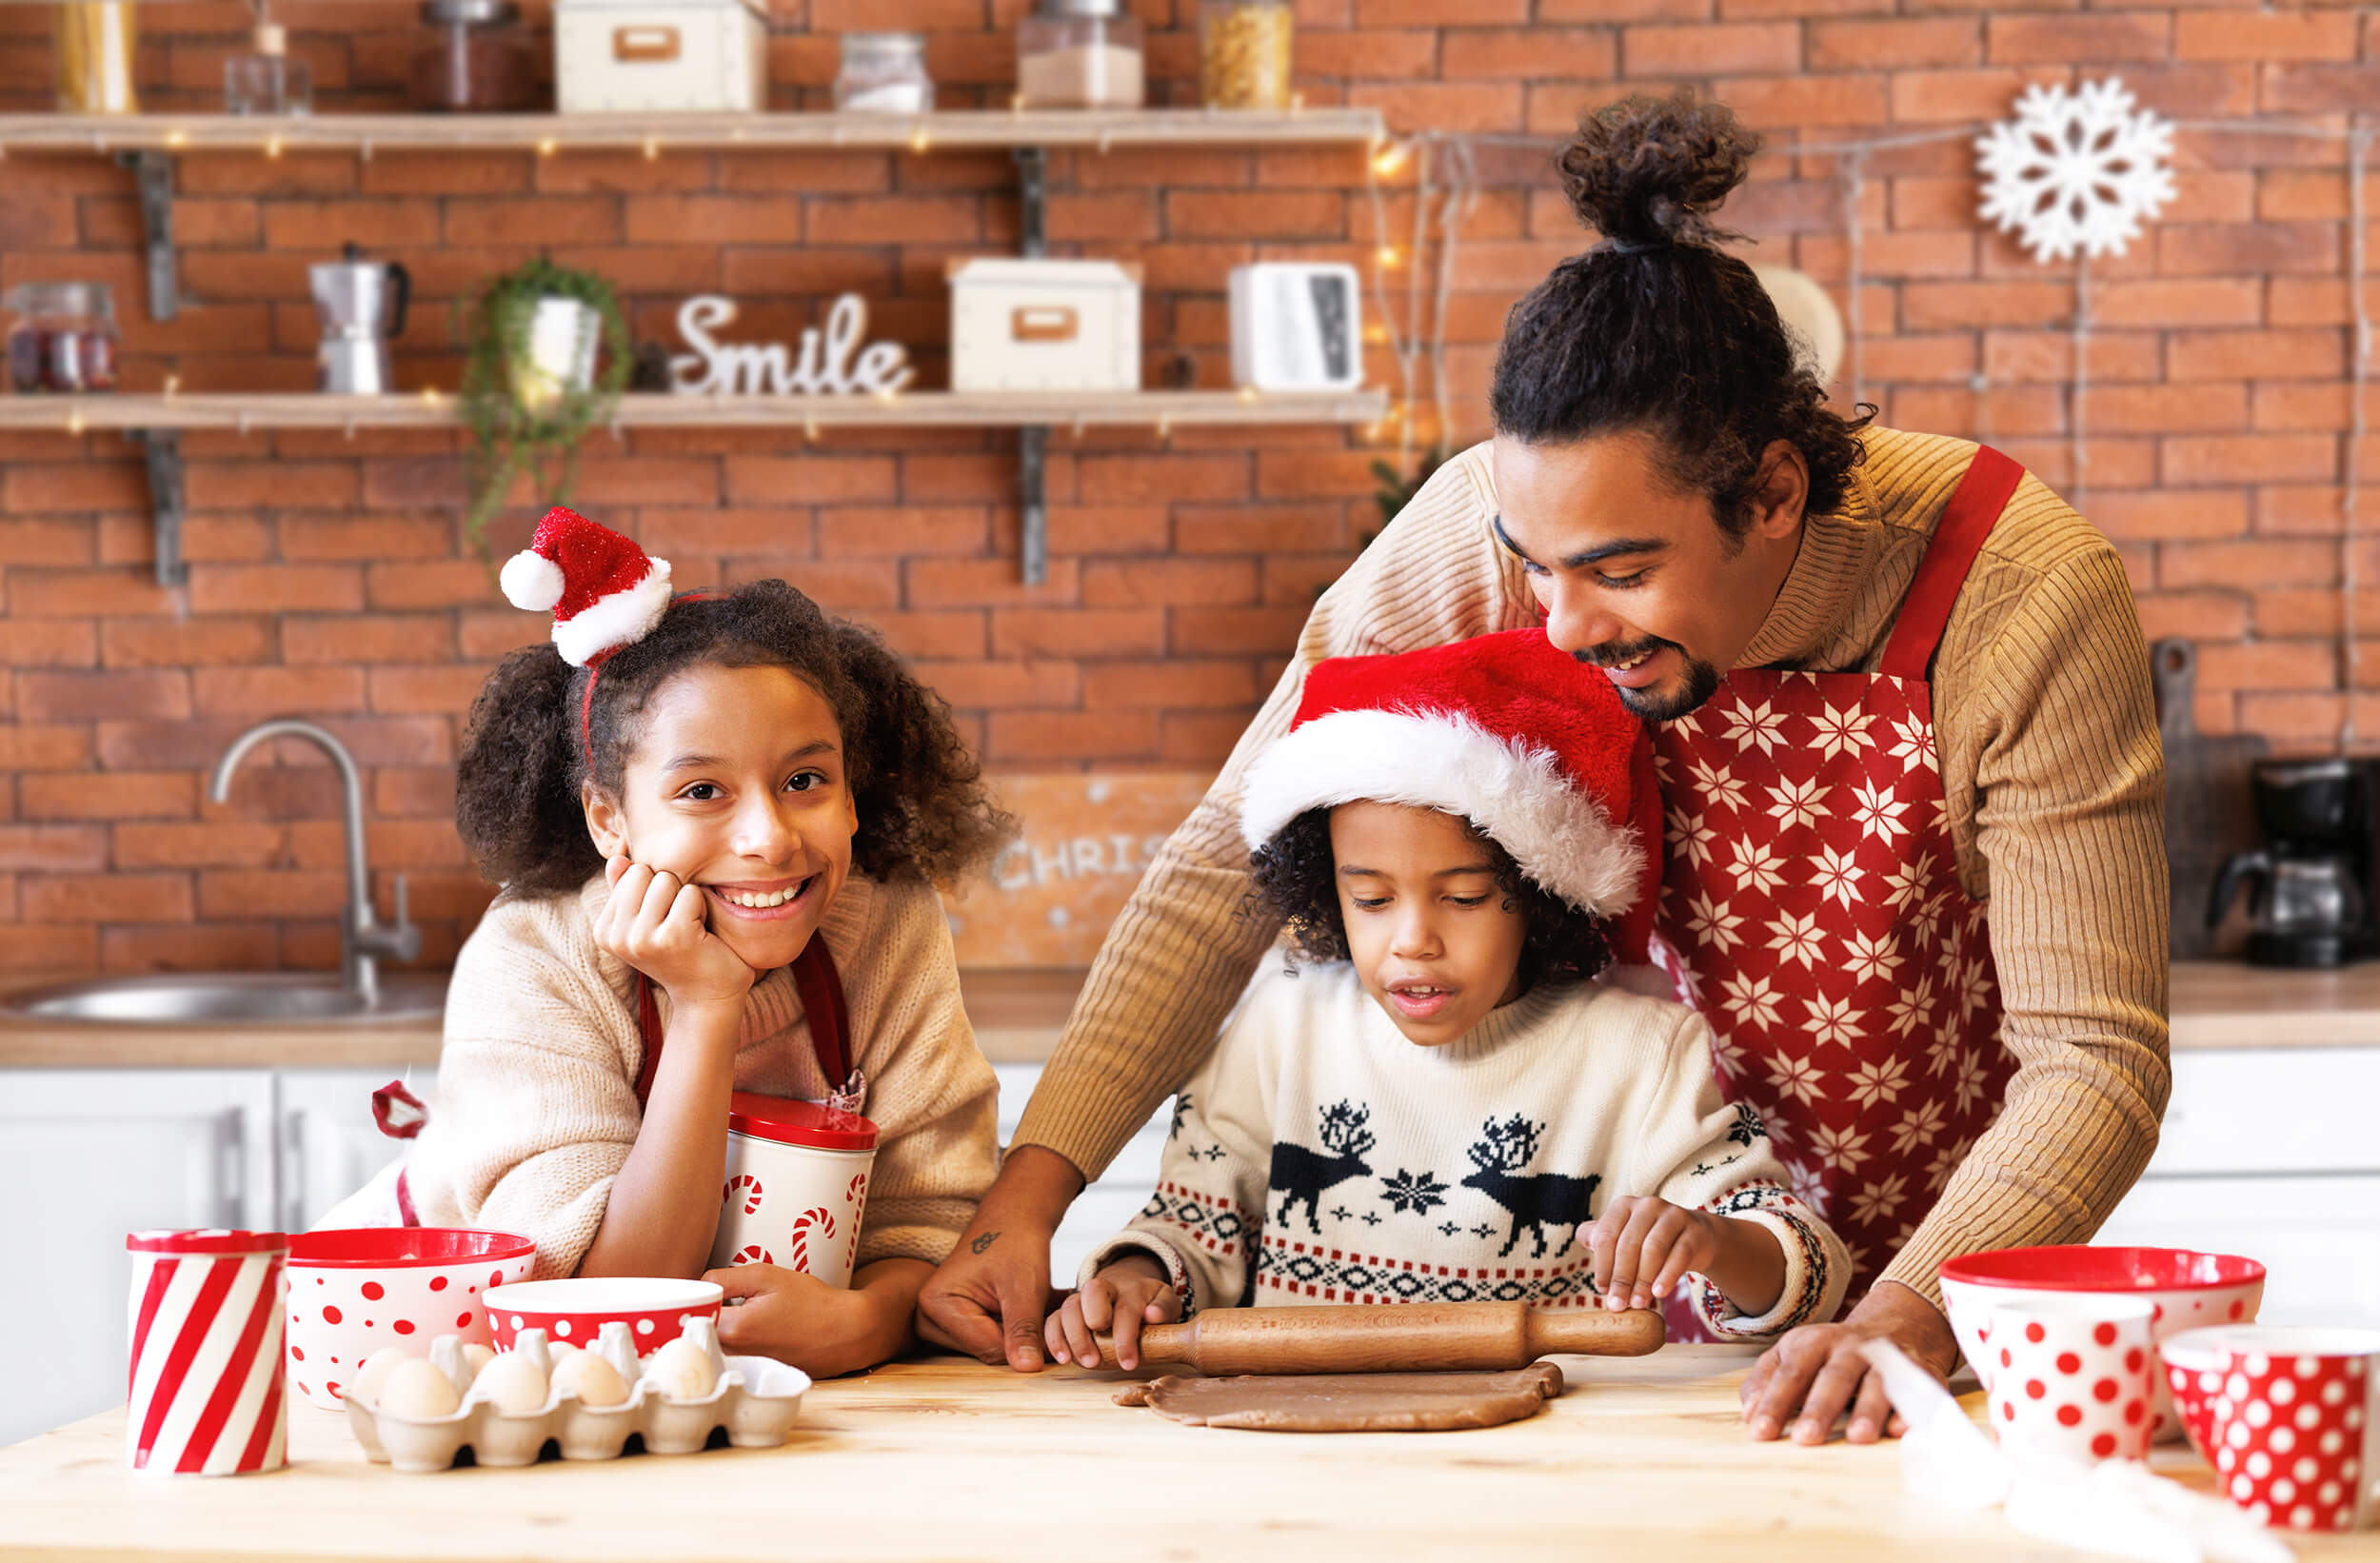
[[604, 590], [1507, 731]]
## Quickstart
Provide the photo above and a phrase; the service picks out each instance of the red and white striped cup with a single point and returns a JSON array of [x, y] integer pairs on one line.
[[206, 1316]]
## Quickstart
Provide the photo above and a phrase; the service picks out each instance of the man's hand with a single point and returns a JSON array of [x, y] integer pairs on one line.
[[1816, 1372], [990, 1297], [1119, 1299]]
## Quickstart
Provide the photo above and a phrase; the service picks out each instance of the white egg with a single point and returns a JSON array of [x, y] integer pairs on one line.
[[557, 1350], [681, 1371], [595, 1381], [476, 1356], [377, 1367], [417, 1392], [513, 1384]]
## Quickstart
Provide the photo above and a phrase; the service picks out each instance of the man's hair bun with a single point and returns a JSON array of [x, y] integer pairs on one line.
[[1647, 172]]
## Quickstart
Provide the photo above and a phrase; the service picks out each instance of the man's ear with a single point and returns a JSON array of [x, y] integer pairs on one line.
[[605, 821], [1781, 492]]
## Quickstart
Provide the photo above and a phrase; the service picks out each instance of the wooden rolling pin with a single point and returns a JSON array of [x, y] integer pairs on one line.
[[1391, 1337]]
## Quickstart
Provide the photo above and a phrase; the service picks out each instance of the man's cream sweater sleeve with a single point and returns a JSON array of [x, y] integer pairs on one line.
[[1182, 950]]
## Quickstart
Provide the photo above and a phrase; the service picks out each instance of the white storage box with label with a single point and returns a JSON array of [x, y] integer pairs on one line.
[[1296, 326], [661, 55], [1041, 325]]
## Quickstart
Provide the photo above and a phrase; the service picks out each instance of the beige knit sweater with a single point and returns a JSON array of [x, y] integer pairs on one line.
[[2051, 763], [536, 1107]]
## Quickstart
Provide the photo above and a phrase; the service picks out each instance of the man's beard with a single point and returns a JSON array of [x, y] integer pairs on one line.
[[1702, 680]]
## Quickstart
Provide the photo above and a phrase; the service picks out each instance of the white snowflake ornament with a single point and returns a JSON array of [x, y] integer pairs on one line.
[[2076, 174]]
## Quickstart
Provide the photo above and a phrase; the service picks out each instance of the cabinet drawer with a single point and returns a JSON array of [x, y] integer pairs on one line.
[[2270, 1110]]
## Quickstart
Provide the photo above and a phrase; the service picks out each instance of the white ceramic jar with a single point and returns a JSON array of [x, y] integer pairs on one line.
[[795, 1188]]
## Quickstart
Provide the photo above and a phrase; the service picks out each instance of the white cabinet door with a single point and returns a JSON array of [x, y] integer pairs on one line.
[[329, 1145], [2317, 1237], [1106, 1205], [87, 1155]]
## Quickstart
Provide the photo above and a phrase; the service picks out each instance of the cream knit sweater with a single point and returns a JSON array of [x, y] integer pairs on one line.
[[2054, 777], [536, 1106]]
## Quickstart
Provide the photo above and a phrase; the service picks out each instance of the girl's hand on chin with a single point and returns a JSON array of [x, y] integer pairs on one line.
[[656, 922]]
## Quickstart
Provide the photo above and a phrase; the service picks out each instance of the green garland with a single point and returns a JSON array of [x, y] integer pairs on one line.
[[507, 438]]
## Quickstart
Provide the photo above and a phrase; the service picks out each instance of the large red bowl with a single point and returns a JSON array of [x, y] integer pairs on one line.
[[353, 1291]]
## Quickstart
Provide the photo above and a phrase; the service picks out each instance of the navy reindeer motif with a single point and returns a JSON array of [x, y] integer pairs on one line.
[[1305, 1175], [1535, 1201]]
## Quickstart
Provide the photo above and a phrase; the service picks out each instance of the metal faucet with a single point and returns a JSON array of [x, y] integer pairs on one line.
[[363, 943]]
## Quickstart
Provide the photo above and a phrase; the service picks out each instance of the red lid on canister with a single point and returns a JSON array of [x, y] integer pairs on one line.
[[789, 1120], [205, 1241]]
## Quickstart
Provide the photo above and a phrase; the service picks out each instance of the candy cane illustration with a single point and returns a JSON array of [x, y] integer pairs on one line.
[[855, 1190], [751, 1254], [751, 1200], [854, 1195], [815, 1219]]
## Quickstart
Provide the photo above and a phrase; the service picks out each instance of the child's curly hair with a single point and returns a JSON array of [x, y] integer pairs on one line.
[[1296, 880], [923, 812]]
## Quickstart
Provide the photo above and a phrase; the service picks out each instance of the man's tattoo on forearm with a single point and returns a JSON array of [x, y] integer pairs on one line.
[[986, 1241]]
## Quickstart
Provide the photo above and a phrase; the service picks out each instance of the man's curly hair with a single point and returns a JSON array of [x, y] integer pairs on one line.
[[1296, 880]]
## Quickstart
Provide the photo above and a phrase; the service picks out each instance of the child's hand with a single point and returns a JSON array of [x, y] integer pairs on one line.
[[1125, 1296], [1643, 1247], [655, 922], [822, 1330]]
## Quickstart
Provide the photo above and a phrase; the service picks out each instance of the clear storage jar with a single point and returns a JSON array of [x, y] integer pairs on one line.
[[1079, 54], [64, 337], [883, 73], [1244, 53], [479, 59], [267, 81]]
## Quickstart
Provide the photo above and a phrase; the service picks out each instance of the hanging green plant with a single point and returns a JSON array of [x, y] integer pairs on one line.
[[1396, 491], [524, 409]]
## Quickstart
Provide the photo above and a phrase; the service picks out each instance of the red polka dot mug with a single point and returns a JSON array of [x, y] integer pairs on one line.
[[2287, 1416], [2068, 1378]]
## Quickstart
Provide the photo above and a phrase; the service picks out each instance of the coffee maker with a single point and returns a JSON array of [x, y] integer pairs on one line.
[[2315, 891], [359, 304]]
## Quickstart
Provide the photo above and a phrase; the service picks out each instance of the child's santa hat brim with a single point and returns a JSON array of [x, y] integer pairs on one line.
[[1437, 759], [616, 618]]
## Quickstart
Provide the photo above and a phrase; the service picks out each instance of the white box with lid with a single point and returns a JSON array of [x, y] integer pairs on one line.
[[1043, 325], [692, 56]]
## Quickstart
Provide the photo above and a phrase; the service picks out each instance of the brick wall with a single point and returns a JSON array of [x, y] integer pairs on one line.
[[328, 580]]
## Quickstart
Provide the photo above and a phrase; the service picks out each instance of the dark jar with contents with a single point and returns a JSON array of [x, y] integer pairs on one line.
[[478, 60], [63, 339]]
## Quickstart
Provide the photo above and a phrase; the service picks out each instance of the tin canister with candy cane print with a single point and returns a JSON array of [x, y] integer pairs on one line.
[[206, 1321], [796, 1186]]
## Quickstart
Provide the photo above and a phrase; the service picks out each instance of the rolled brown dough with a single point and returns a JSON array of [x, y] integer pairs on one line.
[[1354, 1402]]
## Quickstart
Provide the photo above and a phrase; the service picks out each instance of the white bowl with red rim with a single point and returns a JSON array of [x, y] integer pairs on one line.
[[796, 1187], [354, 1290], [2185, 1289], [573, 1312]]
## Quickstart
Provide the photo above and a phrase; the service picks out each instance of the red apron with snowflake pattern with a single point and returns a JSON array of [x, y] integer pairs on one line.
[[1812, 910]]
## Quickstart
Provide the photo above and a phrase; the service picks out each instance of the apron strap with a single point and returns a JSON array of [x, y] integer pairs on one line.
[[819, 988], [1982, 494]]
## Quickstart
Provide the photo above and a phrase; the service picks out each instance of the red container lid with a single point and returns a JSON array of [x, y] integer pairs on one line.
[[205, 1241], [363, 1248], [789, 1120], [2082, 1267]]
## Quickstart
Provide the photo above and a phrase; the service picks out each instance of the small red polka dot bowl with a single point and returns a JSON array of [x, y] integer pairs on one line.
[[2184, 1289], [2068, 1378], [355, 1291], [573, 1312], [2290, 1419]]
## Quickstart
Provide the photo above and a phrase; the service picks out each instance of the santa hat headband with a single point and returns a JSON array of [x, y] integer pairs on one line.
[[1503, 730], [606, 593]]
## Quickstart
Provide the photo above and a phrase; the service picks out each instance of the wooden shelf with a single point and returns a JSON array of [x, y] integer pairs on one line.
[[910, 409], [980, 128]]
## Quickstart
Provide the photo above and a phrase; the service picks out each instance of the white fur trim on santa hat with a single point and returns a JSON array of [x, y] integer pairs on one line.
[[617, 618], [1559, 836], [530, 580]]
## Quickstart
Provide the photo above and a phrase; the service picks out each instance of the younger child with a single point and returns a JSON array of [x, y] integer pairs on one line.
[[717, 820], [1437, 1105]]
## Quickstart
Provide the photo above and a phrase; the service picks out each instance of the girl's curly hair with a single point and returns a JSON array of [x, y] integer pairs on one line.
[[1296, 880], [1656, 329], [923, 811]]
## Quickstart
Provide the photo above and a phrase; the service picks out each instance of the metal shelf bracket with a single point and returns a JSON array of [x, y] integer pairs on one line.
[[154, 170], [1033, 440], [163, 448]]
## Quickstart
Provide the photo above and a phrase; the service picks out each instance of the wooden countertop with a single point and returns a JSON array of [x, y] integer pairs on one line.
[[1018, 1016], [948, 1458]]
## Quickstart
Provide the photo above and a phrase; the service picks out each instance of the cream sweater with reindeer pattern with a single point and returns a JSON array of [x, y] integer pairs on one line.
[[1320, 1157]]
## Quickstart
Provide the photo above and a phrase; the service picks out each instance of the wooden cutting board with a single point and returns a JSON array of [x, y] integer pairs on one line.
[[2207, 814]]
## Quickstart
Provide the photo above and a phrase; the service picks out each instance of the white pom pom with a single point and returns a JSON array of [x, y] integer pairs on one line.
[[531, 580]]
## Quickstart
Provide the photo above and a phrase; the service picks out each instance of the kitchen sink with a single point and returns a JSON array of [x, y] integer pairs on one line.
[[216, 1000]]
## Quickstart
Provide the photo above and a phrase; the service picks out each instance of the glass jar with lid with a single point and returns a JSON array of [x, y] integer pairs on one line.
[[883, 73], [1244, 53], [64, 337], [1079, 54], [478, 59], [268, 80]]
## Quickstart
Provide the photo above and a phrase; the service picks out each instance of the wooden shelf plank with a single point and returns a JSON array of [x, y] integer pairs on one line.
[[1099, 129], [910, 409]]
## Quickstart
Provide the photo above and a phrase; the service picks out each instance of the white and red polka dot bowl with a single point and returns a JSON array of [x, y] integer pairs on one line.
[[354, 1290], [2289, 1418], [2185, 1290], [575, 1311]]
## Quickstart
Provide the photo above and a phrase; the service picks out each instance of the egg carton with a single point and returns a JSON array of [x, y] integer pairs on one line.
[[754, 1399]]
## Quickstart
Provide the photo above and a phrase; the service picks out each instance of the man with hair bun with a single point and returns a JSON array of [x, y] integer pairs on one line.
[[1916, 872]]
